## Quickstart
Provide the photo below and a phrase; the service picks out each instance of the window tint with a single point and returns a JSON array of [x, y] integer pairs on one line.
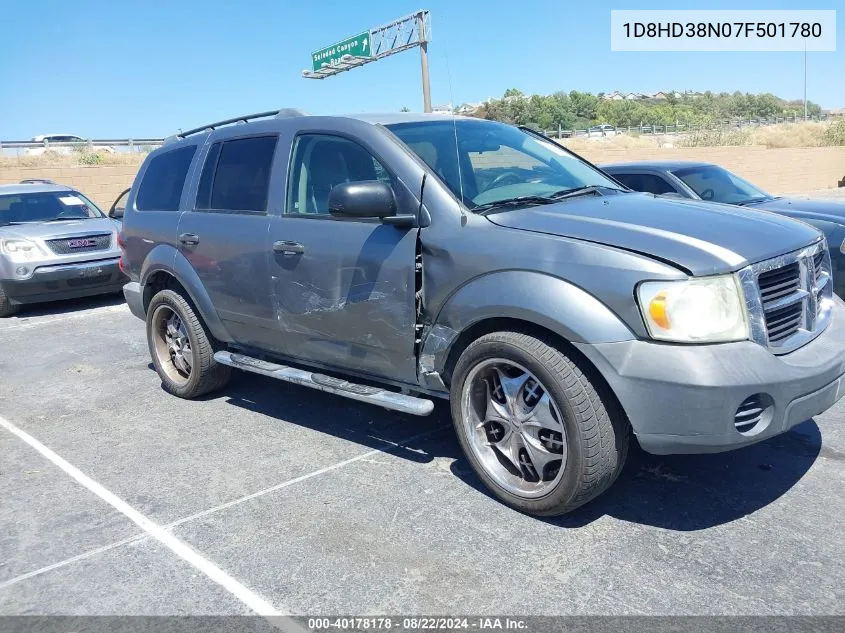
[[711, 182], [161, 188], [321, 162], [241, 177], [204, 189], [645, 182]]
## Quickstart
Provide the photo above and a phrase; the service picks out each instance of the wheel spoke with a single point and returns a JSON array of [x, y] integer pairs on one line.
[[543, 416], [539, 454], [509, 389]]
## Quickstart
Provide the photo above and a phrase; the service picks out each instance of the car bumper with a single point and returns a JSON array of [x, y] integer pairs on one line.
[[683, 399], [65, 281], [135, 299]]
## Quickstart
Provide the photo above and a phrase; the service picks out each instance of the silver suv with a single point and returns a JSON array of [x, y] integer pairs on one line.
[[54, 244], [397, 259]]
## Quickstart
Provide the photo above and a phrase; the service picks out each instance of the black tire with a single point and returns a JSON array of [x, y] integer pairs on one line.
[[206, 374], [597, 433], [6, 307]]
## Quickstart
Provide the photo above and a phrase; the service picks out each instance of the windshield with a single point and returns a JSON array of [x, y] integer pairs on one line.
[[492, 162], [46, 206], [719, 185]]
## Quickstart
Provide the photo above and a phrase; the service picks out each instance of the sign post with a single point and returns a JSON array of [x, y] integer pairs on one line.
[[369, 46]]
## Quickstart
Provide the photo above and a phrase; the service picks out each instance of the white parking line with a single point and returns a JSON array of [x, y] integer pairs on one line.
[[171, 542], [218, 508], [26, 323]]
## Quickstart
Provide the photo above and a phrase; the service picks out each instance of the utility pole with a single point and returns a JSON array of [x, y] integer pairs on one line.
[[426, 88], [805, 79]]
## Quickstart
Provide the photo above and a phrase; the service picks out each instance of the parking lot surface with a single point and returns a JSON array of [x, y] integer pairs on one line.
[[118, 498]]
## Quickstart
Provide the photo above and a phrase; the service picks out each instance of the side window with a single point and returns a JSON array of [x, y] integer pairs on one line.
[[319, 163], [645, 182], [164, 179], [655, 184], [236, 175]]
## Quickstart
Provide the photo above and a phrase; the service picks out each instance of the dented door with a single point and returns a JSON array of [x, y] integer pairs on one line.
[[344, 293]]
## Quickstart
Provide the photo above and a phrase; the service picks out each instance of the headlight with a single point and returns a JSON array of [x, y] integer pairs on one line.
[[708, 310], [20, 250]]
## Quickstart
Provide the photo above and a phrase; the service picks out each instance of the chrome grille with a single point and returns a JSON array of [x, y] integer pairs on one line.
[[789, 298], [80, 244]]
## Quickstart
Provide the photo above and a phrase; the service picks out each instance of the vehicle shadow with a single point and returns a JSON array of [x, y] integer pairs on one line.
[[65, 306], [674, 492]]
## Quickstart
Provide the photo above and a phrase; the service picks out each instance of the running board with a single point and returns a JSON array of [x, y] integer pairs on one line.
[[338, 386]]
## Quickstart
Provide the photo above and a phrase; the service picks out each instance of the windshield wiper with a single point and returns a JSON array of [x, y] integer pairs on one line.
[[508, 203], [580, 191], [755, 200], [65, 219]]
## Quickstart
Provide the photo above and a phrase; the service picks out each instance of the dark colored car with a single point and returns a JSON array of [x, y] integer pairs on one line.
[[705, 181], [395, 259]]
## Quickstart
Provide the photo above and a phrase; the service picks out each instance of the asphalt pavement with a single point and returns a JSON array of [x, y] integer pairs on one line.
[[117, 498]]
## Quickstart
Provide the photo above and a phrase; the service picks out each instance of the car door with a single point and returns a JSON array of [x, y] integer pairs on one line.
[[223, 236], [344, 290]]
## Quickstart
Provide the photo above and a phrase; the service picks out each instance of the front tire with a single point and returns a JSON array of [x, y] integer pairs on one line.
[[534, 427], [181, 347], [6, 307]]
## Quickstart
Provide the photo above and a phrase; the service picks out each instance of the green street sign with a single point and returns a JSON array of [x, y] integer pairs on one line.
[[358, 46]]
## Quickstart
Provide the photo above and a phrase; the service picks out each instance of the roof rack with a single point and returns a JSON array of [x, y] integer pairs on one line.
[[37, 181], [283, 113]]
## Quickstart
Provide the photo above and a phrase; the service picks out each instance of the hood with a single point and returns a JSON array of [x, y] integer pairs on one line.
[[700, 237], [804, 209], [65, 228]]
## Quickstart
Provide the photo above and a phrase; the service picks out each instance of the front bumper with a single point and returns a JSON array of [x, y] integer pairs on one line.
[[66, 281], [683, 398]]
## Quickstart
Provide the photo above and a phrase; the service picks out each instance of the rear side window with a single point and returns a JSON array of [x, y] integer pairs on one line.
[[645, 182], [164, 179], [236, 175]]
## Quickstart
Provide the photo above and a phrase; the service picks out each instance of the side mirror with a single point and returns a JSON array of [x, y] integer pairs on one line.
[[116, 213], [364, 199]]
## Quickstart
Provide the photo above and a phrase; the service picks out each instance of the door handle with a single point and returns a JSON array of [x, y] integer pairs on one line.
[[287, 247], [189, 239]]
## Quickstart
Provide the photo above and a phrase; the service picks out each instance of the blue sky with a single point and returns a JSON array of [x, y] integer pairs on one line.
[[113, 68]]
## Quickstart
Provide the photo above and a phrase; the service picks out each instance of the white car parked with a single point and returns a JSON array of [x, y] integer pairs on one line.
[[61, 144]]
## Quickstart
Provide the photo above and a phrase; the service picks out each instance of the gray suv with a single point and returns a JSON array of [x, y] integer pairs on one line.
[[54, 244], [400, 258]]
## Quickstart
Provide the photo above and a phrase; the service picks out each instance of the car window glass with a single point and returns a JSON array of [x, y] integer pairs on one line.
[[120, 203], [164, 179], [207, 177], [649, 183], [714, 183], [321, 162], [241, 179]]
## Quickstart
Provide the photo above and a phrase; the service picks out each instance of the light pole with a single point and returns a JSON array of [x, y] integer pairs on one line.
[[805, 79]]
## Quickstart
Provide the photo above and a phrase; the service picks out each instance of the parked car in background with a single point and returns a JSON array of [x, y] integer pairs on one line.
[[705, 181], [54, 244], [393, 259], [63, 144]]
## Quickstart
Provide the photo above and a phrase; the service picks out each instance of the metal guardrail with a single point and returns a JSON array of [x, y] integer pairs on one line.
[[682, 128], [124, 144], [145, 144]]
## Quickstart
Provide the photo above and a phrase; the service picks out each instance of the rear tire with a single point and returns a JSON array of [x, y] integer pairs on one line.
[[181, 347], [6, 307], [534, 427]]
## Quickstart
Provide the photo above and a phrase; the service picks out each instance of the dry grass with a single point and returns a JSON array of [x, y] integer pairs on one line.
[[810, 134], [75, 159]]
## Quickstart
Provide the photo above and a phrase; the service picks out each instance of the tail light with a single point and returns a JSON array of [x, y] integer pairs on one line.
[[122, 245]]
